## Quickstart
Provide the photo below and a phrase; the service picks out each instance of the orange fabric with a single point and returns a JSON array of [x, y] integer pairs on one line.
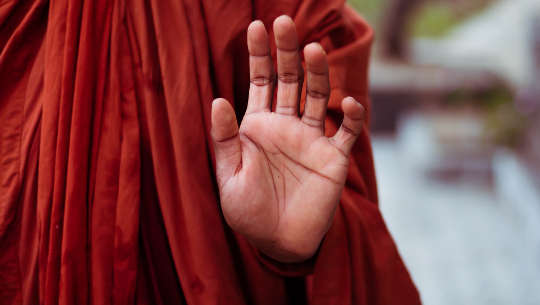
[[107, 188]]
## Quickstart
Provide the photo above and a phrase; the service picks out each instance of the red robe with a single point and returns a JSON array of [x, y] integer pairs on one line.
[[107, 183]]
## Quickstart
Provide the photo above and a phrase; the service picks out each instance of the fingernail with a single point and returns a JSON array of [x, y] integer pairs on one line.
[[350, 98], [321, 47], [284, 16], [255, 22]]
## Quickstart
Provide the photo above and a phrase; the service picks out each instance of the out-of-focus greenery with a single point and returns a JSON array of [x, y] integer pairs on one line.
[[488, 99], [370, 9], [503, 124], [435, 18]]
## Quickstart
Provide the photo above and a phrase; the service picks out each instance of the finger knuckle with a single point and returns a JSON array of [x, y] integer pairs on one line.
[[350, 130], [289, 78], [318, 94], [261, 80]]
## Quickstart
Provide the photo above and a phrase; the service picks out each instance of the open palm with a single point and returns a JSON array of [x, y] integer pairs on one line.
[[280, 178]]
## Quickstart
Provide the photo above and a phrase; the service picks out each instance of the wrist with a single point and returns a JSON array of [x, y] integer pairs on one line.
[[286, 251]]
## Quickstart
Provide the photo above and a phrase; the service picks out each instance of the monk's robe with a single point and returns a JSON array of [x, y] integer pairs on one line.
[[107, 185]]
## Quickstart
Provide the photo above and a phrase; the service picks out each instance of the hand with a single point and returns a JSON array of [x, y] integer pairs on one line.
[[280, 179]]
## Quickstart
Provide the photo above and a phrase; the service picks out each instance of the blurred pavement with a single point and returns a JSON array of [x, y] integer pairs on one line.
[[463, 241]]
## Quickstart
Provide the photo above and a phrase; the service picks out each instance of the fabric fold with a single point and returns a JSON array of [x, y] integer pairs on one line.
[[107, 183]]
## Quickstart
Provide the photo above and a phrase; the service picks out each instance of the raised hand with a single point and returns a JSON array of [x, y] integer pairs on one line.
[[280, 178]]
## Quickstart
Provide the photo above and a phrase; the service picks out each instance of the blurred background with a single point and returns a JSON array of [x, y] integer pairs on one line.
[[455, 88]]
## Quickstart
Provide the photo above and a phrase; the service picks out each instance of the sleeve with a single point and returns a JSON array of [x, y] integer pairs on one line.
[[358, 261]]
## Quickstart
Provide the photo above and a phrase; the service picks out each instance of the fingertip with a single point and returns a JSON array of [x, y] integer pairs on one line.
[[256, 28], [257, 38], [315, 57], [352, 108], [218, 101], [314, 48], [255, 24], [285, 33], [283, 21]]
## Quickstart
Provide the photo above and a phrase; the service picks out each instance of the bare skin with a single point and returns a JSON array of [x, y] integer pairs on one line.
[[280, 178]]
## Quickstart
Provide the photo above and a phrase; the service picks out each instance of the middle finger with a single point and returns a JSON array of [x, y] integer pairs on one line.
[[289, 70]]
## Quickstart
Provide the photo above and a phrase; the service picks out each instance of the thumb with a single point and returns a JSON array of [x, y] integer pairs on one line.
[[226, 140]]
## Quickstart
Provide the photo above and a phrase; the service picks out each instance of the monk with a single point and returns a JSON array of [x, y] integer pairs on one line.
[[123, 180]]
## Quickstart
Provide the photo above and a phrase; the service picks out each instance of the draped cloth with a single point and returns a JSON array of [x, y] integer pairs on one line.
[[107, 185]]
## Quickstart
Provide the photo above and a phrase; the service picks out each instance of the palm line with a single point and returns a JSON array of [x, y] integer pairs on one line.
[[280, 151], [306, 167]]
